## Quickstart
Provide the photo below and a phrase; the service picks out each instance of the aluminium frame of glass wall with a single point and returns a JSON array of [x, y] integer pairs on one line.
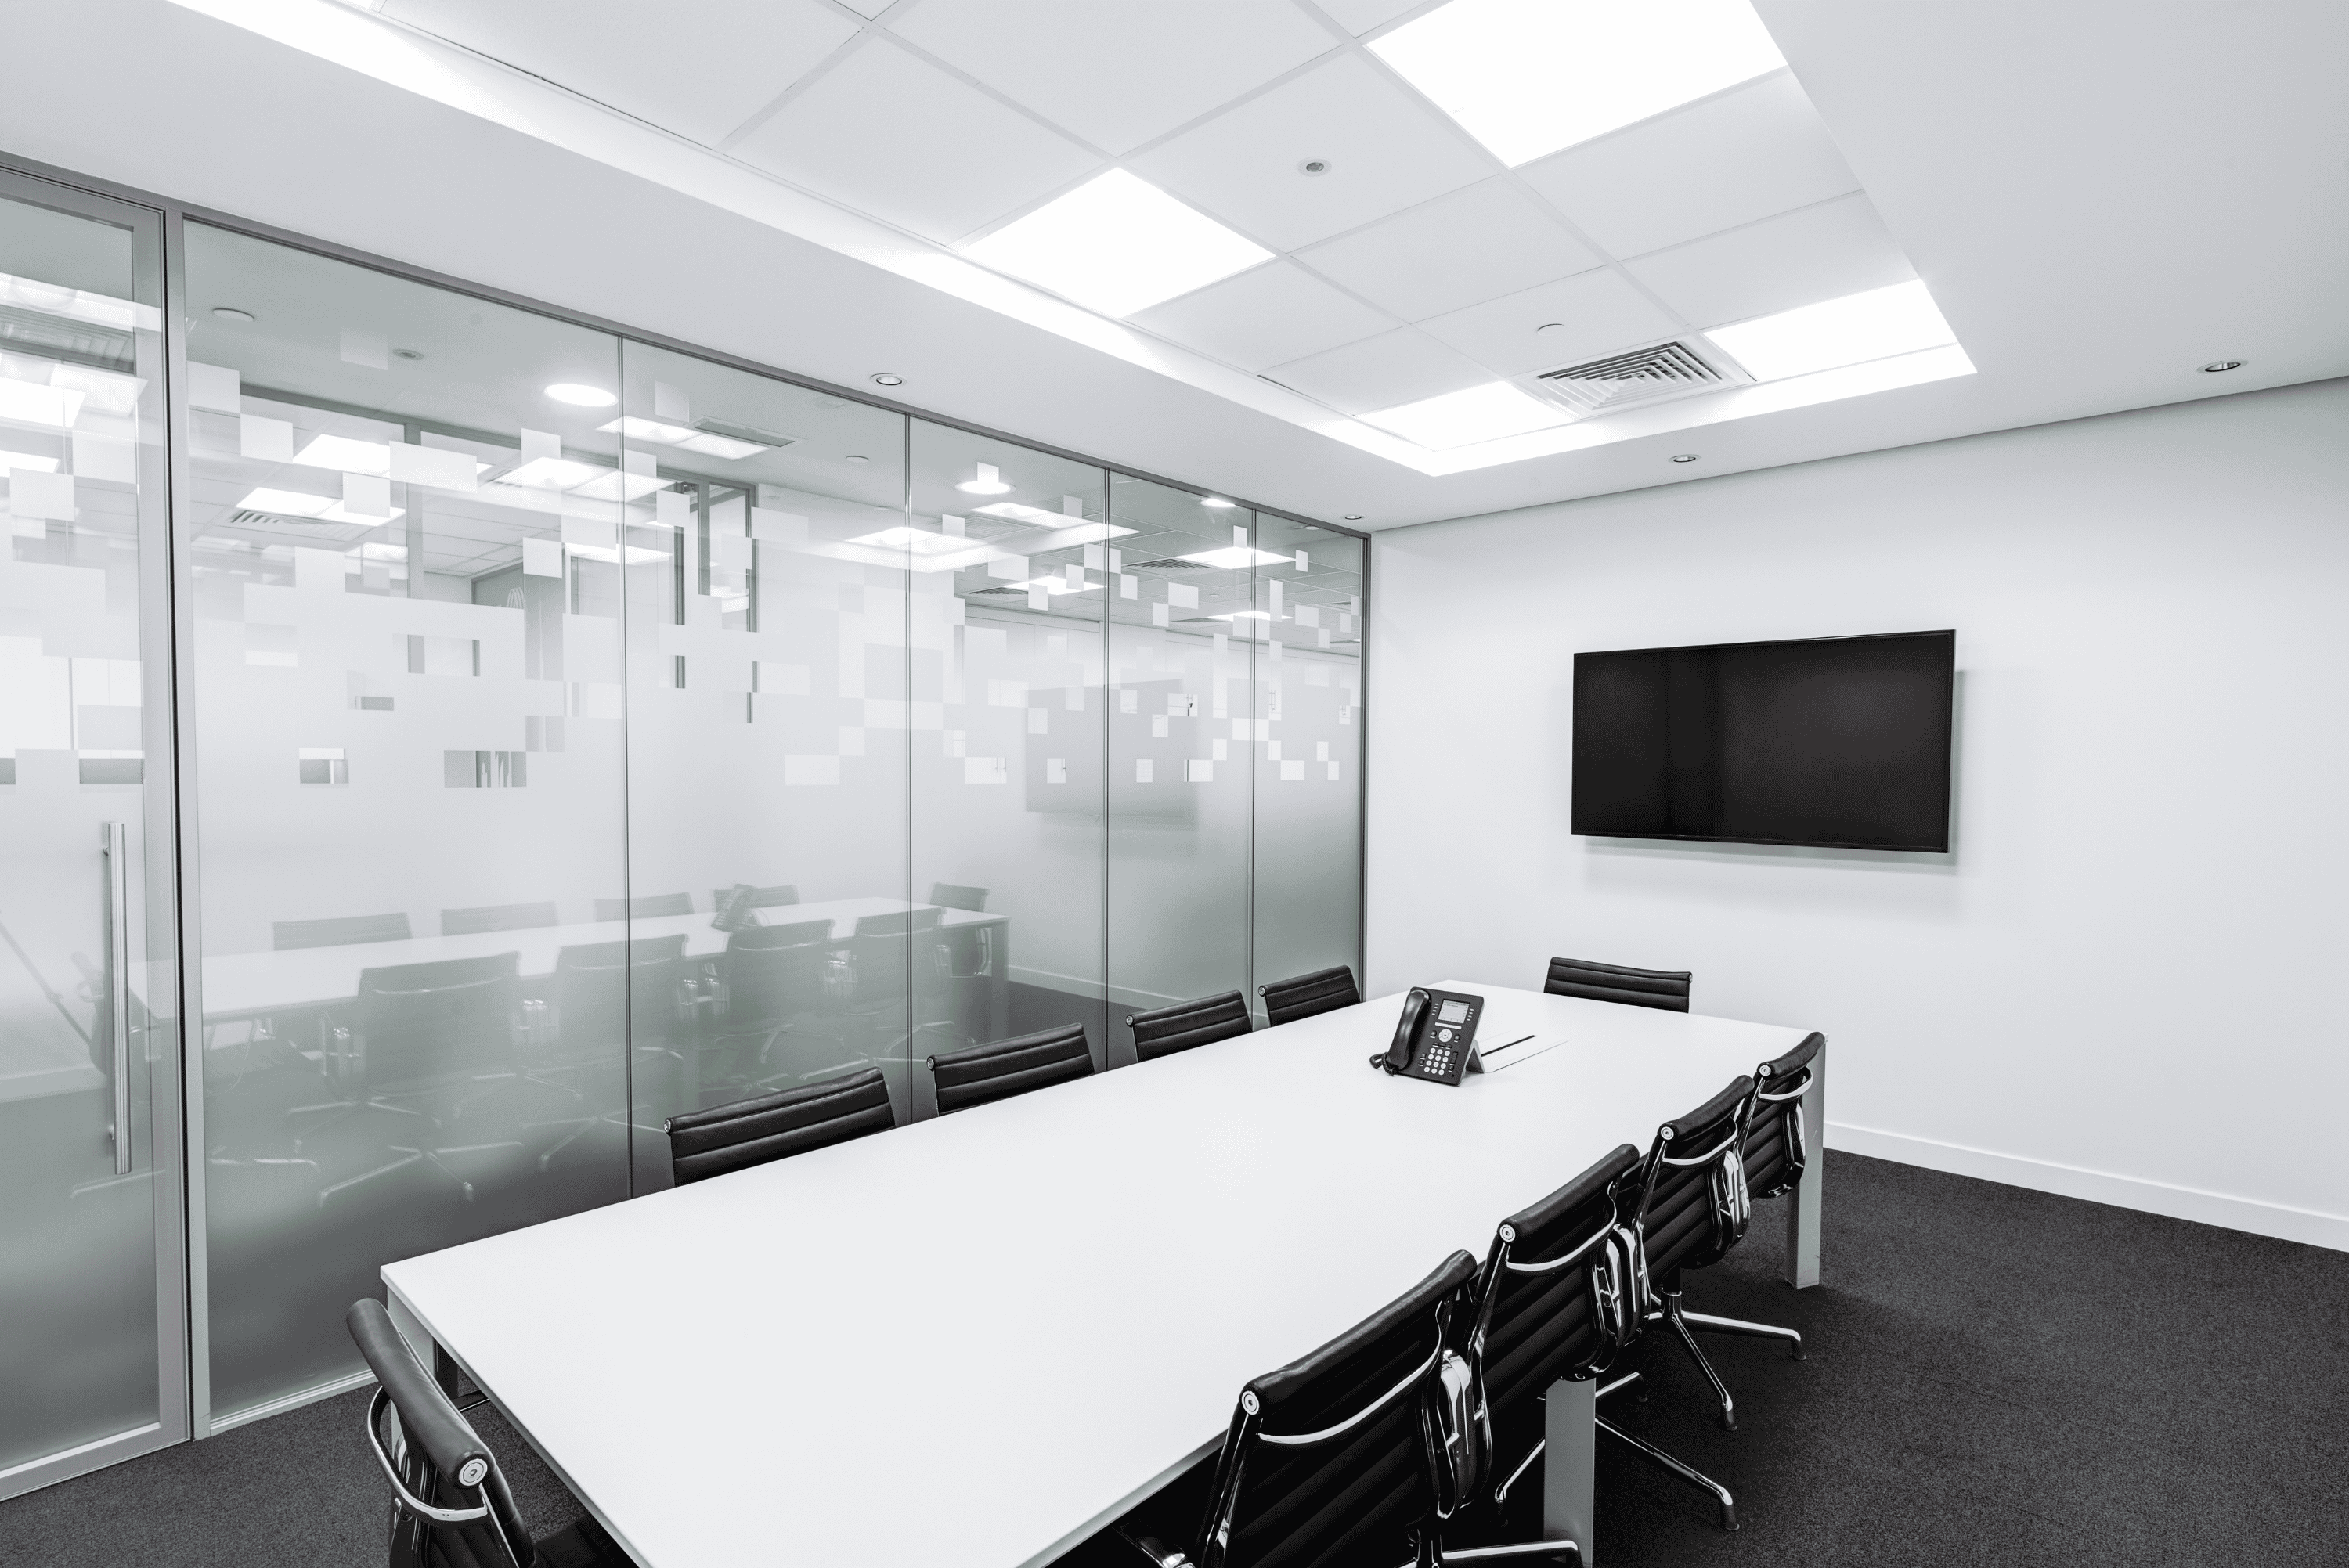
[[175, 626]]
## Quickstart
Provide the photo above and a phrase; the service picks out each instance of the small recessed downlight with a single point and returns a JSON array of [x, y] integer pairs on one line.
[[1685, 457], [229, 312], [1353, 517], [580, 397], [410, 354], [2216, 365], [1314, 166], [885, 379], [858, 458]]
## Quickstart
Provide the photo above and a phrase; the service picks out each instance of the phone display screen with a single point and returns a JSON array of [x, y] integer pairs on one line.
[[1452, 1012]]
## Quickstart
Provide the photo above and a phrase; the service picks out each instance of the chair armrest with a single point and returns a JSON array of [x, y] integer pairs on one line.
[[1156, 1551]]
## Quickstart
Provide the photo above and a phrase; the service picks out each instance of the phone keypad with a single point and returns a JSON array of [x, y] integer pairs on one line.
[[1438, 1060]]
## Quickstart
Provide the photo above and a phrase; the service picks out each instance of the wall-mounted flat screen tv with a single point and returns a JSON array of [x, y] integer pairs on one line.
[[1841, 742]]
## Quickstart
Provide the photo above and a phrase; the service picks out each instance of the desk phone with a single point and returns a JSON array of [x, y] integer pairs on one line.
[[1435, 1039]]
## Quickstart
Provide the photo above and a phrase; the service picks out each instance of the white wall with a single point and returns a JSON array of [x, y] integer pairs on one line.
[[2125, 983]]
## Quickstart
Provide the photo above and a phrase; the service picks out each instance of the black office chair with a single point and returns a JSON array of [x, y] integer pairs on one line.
[[339, 932], [1323, 991], [451, 1505], [1562, 1292], [706, 1144], [1664, 988], [1356, 1454], [952, 896], [885, 952], [616, 1003], [649, 907], [768, 983], [1692, 1208], [984, 1073], [760, 897], [1200, 1022], [498, 917], [427, 1043]]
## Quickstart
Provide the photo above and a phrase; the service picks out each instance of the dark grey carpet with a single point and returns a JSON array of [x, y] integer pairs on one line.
[[1995, 1377]]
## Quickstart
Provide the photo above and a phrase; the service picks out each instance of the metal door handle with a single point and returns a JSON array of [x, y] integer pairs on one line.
[[116, 836]]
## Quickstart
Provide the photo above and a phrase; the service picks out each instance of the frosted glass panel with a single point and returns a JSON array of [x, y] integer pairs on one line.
[[407, 566]]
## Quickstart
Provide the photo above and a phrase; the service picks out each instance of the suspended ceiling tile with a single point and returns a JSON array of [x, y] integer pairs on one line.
[[699, 67], [893, 135], [1395, 367], [1752, 152], [1386, 150], [1488, 240], [1359, 16], [1796, 258], [1267, 317], [1118, 75], [1586, 315]]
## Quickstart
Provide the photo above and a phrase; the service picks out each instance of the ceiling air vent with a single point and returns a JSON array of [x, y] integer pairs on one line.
[[1643, 376], [1170, 564]]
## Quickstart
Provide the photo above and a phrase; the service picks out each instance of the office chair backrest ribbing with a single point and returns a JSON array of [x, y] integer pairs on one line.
[[452, 1503], [760, 897], [883, 948], [774, 971], [1560, 1294], [953, 895], [1200, 1022], [1323, 991], [1664, 988], [338, 932], [498, 917], [1776, 1146], [706, 1144], [454, 1015], [1337, 1458], [1693, 1204], [982, 1073], [599, 984]]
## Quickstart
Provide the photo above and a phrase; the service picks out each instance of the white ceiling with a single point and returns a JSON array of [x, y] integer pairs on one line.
[[2101, 197]]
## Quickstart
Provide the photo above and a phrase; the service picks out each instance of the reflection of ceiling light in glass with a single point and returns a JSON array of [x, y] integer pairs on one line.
[[1073, 529], [621, 555], [12, 461], [1233, 557], [344, 453], [988, 482], [920, 542], [1216, 501], [1527, 78], [1244, 615], [580, 397], [293, 503], [1118, 245], [1852, 330], [1057, 585], [1473, 414], [56, 299], [573, 478], [684, 437], [33, 403]]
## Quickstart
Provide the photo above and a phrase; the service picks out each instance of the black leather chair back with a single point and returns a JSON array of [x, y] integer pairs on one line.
[[1693, 1203], [1776, 1147], [647, 908], [1323, 991], [772, 972], [340, 930], [417, 1023], [1338, 1459], [954, 895], [1557, 1296], [1664, 988], [706, 1144], [498, 917], [1166, 1030], [453, 1504], [982, 1073], [882, 947], [604, 992]]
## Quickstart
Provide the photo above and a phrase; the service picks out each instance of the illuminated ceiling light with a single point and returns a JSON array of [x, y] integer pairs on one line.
[[580, 397], [346, 455], [317, 508], [1473, 414], [568, 477], [683, 438], [33, 403], [1527, 78], [1216, 501], [27, 462], [56, 299], [1117, 245], [989, 482], [1059, 585], [1852, 330], [1235, 557], [885, 379], [921, 541]]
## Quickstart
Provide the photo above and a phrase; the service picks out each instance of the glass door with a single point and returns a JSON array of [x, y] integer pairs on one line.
[[92, 1361]]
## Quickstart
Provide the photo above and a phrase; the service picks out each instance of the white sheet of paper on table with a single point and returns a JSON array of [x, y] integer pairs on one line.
[[1495, 1057]]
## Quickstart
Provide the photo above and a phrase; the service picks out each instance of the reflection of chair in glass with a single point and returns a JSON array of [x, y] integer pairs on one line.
[[706, 1144], [339, 932], [607, 996], [497, 917], [450, 1502], [769, 983], [885, 952], [974, 1077], [1323, 991], [647, 908], [953, 896], [760, 897], [1202, 1022], [422, 1041]]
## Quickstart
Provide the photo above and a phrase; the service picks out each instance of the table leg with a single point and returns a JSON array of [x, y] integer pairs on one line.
[[1803, 1204], [998, 985], [1571, 1449]]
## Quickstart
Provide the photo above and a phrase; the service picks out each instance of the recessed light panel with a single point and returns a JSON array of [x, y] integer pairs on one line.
[[642, 430], [1473, 414], [1527, 78], [1118, 245], [1852, 330], [1235, 557]]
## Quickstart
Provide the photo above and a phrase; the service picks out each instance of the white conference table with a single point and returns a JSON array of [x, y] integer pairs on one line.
[[979, 1338]]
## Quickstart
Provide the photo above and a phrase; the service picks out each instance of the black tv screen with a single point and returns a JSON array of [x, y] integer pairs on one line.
[[1835, 741]]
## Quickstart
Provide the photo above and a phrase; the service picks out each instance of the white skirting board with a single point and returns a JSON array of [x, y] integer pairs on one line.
[[2250, 1214]]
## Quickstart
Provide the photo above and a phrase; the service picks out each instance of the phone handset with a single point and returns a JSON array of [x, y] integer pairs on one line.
[[1406, 1036]]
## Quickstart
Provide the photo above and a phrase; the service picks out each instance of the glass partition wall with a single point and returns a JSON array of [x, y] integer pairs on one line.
[[571, 732]]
